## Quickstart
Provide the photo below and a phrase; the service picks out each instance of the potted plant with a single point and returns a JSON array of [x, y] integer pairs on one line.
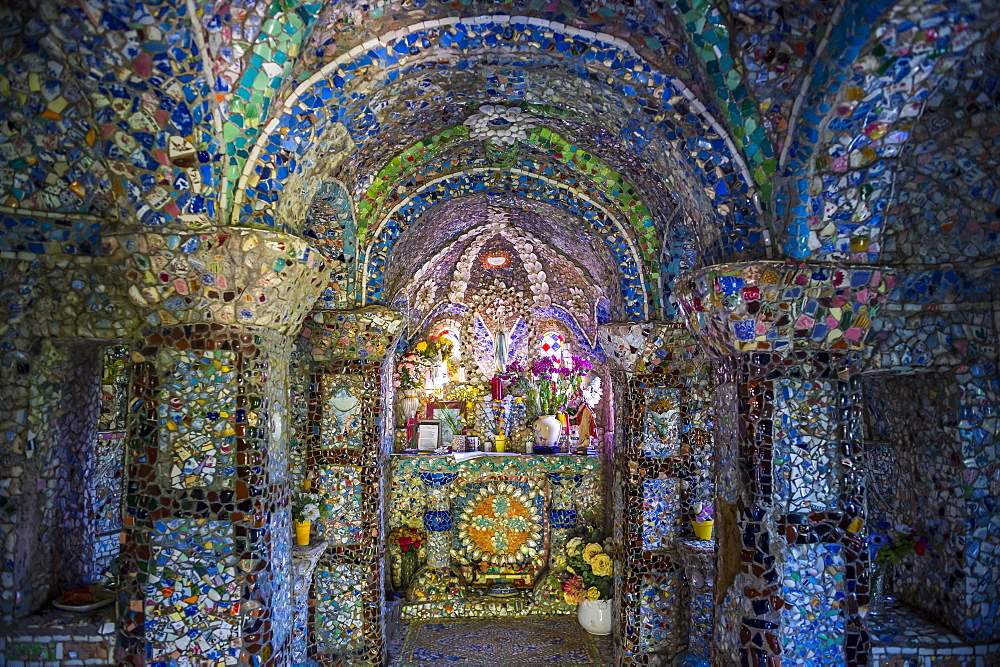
[[456, 427], [549, 387], [702, 521], [306, 508], [589, 584]]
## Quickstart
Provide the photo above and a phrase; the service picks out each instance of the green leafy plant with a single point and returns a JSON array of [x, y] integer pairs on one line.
[[892, 548]]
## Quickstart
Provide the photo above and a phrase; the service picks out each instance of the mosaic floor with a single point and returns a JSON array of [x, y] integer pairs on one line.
[[496, 642]]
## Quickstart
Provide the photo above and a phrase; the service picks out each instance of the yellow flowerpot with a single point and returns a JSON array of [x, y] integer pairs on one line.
[[703, 529], [500, 442], [302, 532]]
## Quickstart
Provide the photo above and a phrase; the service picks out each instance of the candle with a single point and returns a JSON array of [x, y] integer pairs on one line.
[[496, 388]]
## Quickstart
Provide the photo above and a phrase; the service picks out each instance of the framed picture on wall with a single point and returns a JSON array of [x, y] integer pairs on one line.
[[450, 414], [428, 435]]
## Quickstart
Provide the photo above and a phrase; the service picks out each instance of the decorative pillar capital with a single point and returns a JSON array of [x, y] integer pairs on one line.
[[643, 347], [63, 296], [247, 277], [364, 333], [783, 308], [304, 561]]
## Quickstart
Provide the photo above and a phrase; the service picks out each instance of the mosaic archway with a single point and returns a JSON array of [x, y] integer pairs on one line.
[[524, 185]]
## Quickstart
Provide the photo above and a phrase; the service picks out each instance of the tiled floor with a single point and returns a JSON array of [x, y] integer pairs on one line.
[[523, 627]]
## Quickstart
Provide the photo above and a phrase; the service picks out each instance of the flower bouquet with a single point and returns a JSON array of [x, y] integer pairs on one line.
[[434, 350], [306, 508], [408, 372], [548, 385], [888, 548], [589, 585], [409, 541], [590, 569], [893, 548]]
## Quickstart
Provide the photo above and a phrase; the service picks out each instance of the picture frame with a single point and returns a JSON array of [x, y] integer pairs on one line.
[[428, 435], [435, 410]]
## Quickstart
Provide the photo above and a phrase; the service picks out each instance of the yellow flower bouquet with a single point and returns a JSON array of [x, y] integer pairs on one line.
[[590, 569]]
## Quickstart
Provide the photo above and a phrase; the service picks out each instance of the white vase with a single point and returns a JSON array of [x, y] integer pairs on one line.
[[547, 429], [595, 616], [406, 406]]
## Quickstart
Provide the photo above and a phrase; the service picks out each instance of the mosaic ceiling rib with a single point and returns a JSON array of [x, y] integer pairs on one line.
[[709, 34], [591, 167], [858, 119], [255, 81]]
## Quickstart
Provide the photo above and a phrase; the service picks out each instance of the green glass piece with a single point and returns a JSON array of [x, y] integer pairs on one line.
[[230, 131]]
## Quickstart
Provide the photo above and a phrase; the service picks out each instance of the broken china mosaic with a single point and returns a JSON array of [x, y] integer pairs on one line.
[[173, 118]]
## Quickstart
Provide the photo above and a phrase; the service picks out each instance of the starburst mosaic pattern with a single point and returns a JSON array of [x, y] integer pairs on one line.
[[500, 524]]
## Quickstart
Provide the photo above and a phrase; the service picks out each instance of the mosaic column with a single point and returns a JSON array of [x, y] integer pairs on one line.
[[206, 555], [436, 580], [349, 437], [661, 399], [788, 342]]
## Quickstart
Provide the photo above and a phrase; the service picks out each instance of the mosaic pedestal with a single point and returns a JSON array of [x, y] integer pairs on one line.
[[304, 560]]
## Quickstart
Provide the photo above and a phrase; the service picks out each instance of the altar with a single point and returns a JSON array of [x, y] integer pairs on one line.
[[493, 525]]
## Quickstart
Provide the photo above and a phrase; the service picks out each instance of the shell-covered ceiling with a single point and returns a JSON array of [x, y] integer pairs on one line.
[[628, 141]]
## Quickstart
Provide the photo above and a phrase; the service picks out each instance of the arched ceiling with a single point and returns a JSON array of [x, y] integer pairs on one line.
[[665, 134]]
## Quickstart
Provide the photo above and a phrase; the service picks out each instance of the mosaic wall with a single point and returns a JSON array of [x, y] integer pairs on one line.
[[638, 147], [104, 469], [928, 431], [861, 122], [48, 487]]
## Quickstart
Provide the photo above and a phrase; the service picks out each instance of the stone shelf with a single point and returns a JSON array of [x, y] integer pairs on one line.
[[903, 632]]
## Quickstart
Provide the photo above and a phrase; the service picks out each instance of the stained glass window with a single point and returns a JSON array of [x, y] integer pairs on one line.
[[552, 345]]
